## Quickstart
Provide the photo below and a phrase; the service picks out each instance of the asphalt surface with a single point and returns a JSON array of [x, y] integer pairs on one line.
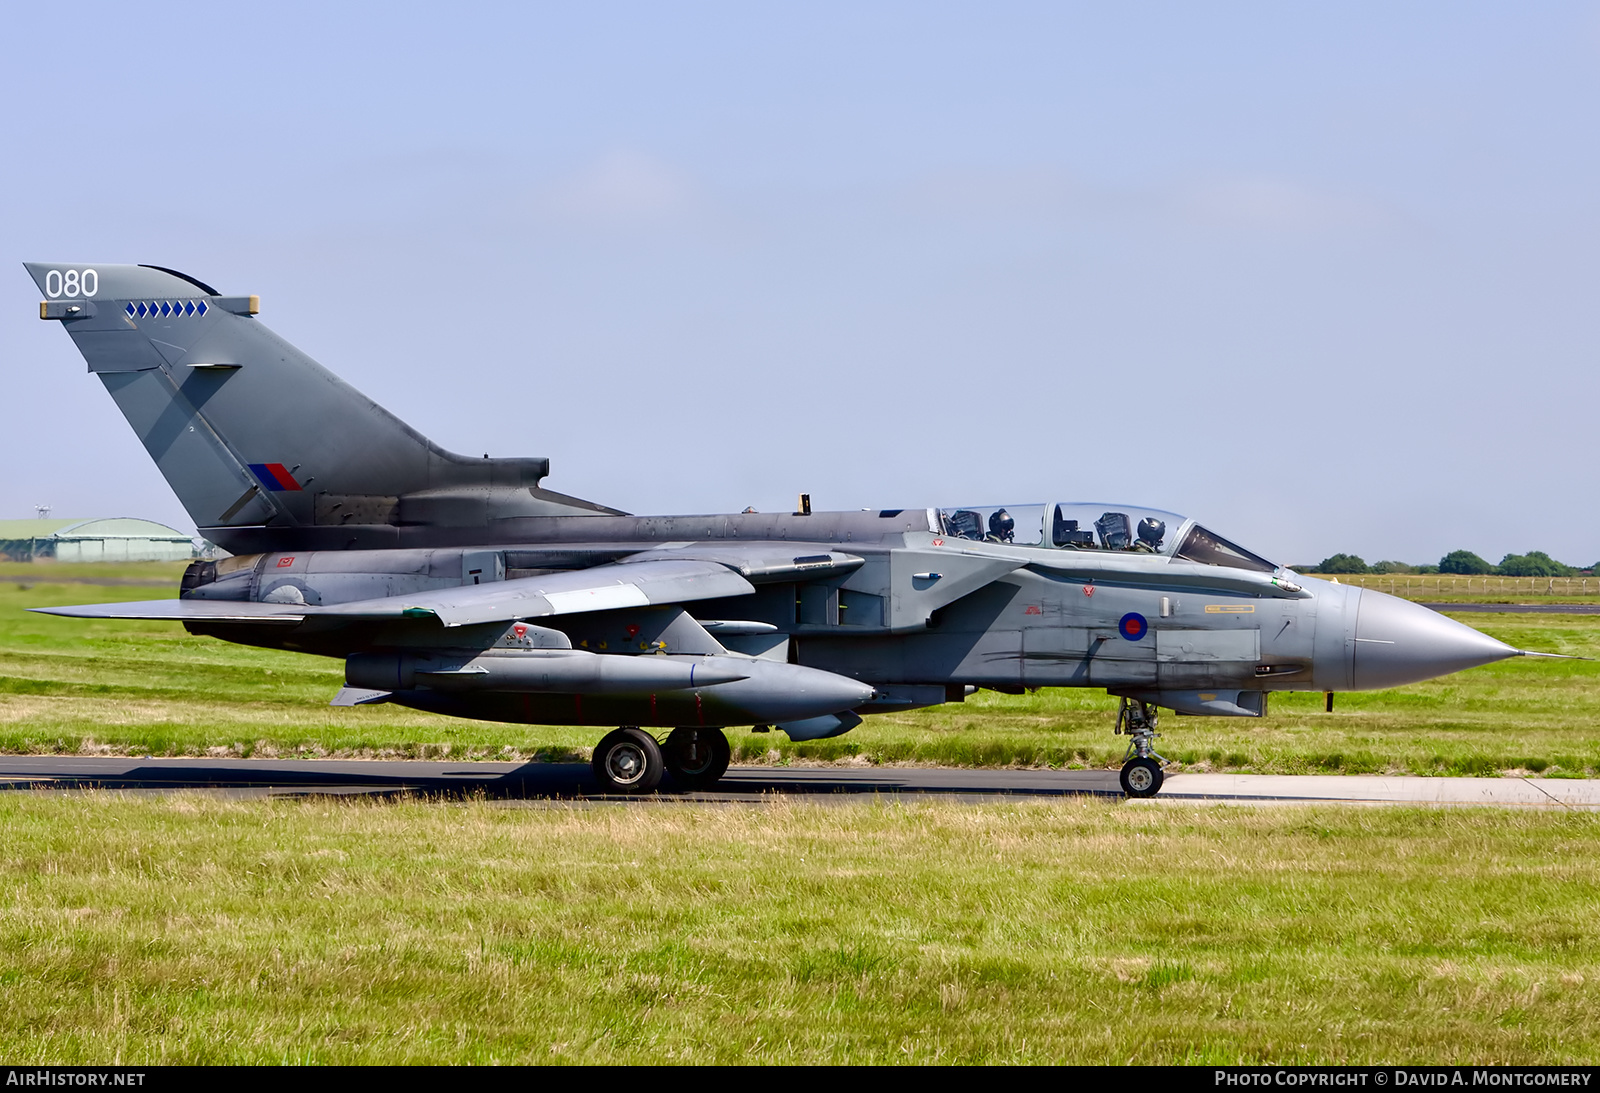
[[255, 778]]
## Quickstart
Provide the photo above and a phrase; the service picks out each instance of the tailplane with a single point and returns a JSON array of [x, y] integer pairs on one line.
[[265, 448]]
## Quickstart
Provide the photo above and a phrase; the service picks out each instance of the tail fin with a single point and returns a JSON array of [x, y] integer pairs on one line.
[[260, 443]]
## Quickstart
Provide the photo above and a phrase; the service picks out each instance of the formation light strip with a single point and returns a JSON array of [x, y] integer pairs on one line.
[[165, 308]]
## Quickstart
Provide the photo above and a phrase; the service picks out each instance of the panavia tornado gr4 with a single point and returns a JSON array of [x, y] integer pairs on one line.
[[463, 587]]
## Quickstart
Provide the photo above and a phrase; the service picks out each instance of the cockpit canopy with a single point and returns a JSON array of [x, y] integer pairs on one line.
[[1114, 527], [1021, 525], [1087, 526]]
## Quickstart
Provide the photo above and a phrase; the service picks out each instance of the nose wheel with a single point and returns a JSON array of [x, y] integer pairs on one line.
[[1141, 767], [1141, 777]]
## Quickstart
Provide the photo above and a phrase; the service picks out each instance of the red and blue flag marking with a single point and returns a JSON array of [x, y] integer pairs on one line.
[[275, 476], [1133, 626]]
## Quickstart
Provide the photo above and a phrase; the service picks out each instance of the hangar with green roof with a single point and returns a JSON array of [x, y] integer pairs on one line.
[[108, 539]]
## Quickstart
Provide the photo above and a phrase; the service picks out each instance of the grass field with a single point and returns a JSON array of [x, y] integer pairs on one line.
[[74, 686], [166, 574], [188, 929]]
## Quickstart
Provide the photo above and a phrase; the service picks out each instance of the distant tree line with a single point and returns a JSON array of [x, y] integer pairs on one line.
[[1535, 563]]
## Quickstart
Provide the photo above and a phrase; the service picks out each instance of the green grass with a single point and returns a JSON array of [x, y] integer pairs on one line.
[[80, 686], [51, 570], [188, 929]]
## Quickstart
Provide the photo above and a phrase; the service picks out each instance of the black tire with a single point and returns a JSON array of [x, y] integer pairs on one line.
[[696, 758], [1141, 778], [628, 761]]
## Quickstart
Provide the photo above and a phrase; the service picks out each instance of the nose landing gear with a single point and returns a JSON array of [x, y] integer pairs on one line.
[[1141, 767]]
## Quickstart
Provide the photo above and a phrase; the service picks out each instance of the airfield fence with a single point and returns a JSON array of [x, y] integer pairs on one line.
[[1423, 585]]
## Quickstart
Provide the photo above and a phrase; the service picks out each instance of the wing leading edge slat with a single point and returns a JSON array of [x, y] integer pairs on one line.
[[184, 611]]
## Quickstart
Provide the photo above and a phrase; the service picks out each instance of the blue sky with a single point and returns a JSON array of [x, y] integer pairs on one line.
[[1322, 275]]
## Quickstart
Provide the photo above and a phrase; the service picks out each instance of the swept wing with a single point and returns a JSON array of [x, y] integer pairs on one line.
[[603, 588]]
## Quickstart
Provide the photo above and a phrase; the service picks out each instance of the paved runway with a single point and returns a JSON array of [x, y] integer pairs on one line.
[[572, 782]]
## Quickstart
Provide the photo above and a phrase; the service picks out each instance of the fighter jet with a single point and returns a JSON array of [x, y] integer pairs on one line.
[[462, 586]]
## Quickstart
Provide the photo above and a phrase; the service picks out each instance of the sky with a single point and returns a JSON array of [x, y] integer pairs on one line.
[[1322, 276]]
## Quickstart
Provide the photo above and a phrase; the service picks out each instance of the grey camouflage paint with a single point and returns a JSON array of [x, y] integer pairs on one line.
[[359, 538]]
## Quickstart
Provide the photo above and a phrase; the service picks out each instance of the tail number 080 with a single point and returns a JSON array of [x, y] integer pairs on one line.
[[71, 283]]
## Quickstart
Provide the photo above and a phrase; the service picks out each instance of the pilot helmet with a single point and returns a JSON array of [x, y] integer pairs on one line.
[[1152, 531], [1002, 526]]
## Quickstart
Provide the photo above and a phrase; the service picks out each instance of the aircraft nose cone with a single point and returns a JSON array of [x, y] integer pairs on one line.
[[1401, 642]]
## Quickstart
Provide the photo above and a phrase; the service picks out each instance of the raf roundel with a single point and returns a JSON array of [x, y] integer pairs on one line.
[[1133, 626]]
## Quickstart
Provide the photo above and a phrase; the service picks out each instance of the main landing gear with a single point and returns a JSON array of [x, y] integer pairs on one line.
[[631, 761], [1141, 767], [696, 758]]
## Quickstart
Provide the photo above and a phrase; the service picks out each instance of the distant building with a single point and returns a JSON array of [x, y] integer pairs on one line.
[[114, 539]]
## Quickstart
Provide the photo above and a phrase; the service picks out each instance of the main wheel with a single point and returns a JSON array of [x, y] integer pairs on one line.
[[696, 758], [1141, 777], [628, 761]]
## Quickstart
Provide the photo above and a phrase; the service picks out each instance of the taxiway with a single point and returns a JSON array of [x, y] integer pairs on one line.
[[573, 782]]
